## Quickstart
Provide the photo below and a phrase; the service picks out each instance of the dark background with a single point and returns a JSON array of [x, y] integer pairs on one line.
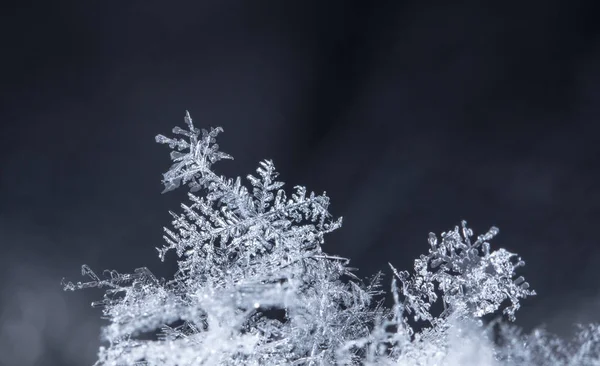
[[412, 115]]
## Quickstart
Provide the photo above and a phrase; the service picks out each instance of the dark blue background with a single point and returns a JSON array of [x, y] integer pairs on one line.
[[412, 115]]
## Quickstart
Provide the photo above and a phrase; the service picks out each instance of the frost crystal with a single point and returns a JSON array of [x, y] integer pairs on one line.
[[254, 287], [471, 278]]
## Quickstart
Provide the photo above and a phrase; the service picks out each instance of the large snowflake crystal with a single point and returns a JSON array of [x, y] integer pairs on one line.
[[253, 284]]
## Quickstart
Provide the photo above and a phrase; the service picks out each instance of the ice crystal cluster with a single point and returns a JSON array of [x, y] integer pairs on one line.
[[255, 287]]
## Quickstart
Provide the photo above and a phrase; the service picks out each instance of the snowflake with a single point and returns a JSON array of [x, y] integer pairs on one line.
[[254, 287]]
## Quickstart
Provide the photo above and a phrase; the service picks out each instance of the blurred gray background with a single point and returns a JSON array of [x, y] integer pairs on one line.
[[412, 115]]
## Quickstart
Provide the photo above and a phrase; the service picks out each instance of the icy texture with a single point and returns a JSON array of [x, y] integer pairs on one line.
[[254, 287], [471, 278]]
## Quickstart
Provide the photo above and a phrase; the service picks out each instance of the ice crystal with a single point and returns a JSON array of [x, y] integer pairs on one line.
[[254, 287], [471, 278]]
